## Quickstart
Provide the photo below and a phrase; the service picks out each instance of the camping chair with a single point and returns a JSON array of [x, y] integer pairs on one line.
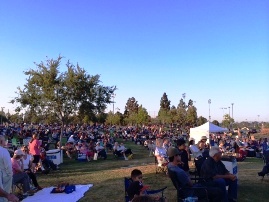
[[180, 194], [160, 168], [265, 158], [128, 181], [198, 162]]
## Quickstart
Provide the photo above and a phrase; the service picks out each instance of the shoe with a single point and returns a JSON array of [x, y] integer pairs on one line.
[[126, 159], [261, 174], [130, 156]]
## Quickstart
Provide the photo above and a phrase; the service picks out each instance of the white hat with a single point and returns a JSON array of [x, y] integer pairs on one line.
[[214, 150], [191, 139], [18, 152]]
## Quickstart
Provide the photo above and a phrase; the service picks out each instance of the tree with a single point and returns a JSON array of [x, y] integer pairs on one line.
[[201, 120], [61, 94], [165, 116], [191, 115], [142, 116], [227, 121], [165, 103], [113, 119], [181, 113], [131, 107], [215, 122]]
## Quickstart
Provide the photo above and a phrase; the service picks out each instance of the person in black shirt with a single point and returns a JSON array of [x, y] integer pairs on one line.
[[214, 171], [181, 145]]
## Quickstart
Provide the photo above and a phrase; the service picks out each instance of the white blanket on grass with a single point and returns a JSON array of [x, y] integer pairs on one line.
[[44, 195]]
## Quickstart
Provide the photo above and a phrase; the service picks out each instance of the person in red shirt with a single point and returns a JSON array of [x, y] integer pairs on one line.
[[34, 149]]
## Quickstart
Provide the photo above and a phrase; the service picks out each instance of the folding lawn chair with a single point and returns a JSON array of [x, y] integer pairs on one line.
[[180, 190]]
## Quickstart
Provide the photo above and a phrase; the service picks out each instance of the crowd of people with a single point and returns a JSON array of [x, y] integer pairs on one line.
[[171, 147]]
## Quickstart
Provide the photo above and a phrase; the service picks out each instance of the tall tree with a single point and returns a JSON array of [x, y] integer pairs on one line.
[[61, 94], [131, 106], [191, 116], [142, 116], [165, 103]]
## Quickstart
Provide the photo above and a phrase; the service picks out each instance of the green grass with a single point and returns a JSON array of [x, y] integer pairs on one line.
[[107, 177]]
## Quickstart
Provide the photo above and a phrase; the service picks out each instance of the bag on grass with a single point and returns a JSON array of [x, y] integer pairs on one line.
[[95, 156]]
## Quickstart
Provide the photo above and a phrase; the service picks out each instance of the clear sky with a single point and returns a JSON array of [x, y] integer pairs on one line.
[[208, 49]]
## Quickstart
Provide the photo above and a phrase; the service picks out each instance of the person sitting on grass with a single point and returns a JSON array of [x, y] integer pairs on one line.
[[69, 149], [84, 149], [121, 150], [136, 187], [100, 150]]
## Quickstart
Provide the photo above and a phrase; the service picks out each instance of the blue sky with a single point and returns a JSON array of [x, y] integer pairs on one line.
[[216, 50]]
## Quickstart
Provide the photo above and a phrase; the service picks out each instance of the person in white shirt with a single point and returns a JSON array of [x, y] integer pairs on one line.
[[194, 149], [100, 150], [160, 152], [5, 169]]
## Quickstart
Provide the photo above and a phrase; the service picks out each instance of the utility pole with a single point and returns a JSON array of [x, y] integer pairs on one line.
[[232, 110], [209, 117], [113, 96]]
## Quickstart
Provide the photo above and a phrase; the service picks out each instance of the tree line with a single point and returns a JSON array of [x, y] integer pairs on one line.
[[74, 96]]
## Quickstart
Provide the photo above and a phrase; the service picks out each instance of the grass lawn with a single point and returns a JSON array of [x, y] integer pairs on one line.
[[107, 177]]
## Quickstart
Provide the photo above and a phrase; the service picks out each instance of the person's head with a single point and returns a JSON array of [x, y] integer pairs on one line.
[[159, 142], [25, 149], [181, 143], [136, 175], [2, 140], [203, 139], [221, 143], [215, 153], [143, 198], [18, 154], [174, 155], [191, 141]]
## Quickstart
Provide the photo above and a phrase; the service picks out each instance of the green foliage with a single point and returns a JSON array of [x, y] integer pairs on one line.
[[53, 94], [131, 107], [165, 103], [215, 122], [142, 116], [113, 119], [201, 120], [227, 121], [165, 116], [191, 116]]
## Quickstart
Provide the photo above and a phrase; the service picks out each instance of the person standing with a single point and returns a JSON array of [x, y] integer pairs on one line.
[[34, 150], [5, 170]]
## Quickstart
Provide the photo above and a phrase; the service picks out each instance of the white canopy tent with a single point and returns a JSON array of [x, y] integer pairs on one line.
[[205, 130]]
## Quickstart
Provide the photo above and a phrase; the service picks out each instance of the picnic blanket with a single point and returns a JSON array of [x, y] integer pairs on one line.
[[44, 195]]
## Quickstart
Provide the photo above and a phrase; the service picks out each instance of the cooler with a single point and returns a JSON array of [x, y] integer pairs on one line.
[[230, 164], [55, 155]]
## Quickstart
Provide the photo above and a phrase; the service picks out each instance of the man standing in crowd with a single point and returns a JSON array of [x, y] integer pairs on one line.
[[5, 170], [214, 171]]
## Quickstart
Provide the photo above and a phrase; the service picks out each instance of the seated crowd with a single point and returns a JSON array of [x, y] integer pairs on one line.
[[171, 148]]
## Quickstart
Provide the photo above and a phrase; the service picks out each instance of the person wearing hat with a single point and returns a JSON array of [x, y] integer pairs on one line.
[[213, 170], [182, 179], [19, 176]]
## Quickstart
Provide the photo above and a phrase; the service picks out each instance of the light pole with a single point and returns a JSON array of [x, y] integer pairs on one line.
[[232, 110], [113, 96], [184, 96], [2, 114], [209, 117]]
